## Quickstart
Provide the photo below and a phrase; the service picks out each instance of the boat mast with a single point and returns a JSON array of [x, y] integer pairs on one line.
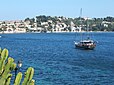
[[81, 23], [87, 29]]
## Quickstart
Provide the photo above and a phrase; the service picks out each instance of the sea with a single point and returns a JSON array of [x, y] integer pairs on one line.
[[56, 61]]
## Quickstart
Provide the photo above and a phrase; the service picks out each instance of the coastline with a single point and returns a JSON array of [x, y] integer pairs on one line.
[[57, 32]]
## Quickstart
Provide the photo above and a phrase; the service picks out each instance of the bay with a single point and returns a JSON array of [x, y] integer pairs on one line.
[[56, 60]]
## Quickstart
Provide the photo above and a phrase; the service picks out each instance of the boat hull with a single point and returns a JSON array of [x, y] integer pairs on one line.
[[86, 47]]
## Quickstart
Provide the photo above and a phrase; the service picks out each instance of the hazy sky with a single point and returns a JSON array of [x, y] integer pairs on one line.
[[21, 9]]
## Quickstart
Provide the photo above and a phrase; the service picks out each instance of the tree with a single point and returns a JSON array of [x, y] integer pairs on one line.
[[109, 19], [27, 19]]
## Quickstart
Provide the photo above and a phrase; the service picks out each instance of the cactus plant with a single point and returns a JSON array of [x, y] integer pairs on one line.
[[28, 76], [18, 79], [7, 65], [7, 82], [5, 75], [4, 55], [6, 71]]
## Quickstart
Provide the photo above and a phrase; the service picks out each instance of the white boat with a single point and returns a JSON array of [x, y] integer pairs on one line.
[[85, 43]]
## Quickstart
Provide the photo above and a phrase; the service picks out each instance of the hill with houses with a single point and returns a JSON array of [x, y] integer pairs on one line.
[[44, 23]]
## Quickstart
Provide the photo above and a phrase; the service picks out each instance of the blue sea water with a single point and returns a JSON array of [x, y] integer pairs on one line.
[[56, 60]]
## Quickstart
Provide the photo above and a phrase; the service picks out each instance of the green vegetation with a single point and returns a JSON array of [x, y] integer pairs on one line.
[[95, 24], [7, 65], [44, 23]]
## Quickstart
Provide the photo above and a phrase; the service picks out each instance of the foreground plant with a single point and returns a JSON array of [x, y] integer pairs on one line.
[[7, 65]]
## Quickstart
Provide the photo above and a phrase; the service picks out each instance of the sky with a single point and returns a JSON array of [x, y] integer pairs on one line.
[[21, 9]]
